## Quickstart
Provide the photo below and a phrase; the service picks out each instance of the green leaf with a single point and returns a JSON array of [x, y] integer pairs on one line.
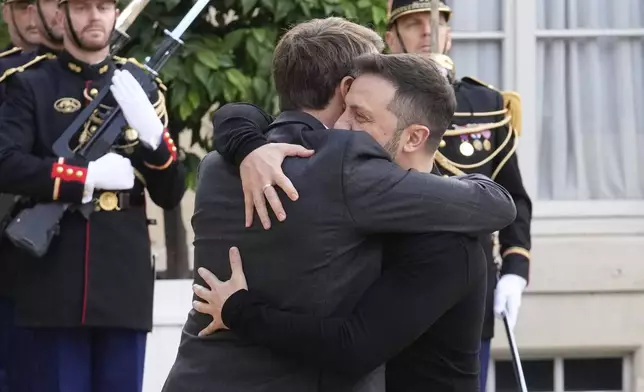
[[252, 48], [270, 5], [225, 61], [193, 97], [350, 11], [178, 94], [185, 109], [248, 5], [378, 14], [233, 39], [282, 8], [208, 58], [364, 4], [306, 10], [260, 86], [214, 86], [237, 79], [229, 92], [259, 34], [202, 73]]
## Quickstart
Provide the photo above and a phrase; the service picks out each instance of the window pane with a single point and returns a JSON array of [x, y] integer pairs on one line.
[[539, 376], [589, 14], [476, 15], [480, 59], [600, 374], [590, 92]]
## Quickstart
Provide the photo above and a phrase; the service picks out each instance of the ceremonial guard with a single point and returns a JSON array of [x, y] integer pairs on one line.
[[88, 300], [24, 40], [483, 139]]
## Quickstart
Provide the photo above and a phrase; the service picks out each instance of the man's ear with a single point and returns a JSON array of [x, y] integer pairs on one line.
[[345, 85], [448, 40], [5, 13], [390, 39], [416, 137]]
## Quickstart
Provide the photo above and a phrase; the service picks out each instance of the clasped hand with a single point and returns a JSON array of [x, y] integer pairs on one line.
[[259, 171], [219, 292]]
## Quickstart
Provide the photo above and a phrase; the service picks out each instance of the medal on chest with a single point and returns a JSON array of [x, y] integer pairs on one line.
[[466, 148]]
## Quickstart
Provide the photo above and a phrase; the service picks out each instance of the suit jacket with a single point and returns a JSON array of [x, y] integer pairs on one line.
[[325, 254]]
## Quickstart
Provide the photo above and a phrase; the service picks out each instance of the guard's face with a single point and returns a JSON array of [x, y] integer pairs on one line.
[[46, 17], [93, 22], [415, 30], [367, 109], [22, 27]]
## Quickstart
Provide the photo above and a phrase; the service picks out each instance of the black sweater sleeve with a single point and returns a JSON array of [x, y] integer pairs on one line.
[[238, 130], [398, 308]]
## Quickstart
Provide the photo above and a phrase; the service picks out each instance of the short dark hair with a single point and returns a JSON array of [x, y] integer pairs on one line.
[[423, 94], [312, 58]]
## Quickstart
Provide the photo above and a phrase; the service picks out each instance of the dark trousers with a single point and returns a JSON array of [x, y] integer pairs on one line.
[[484, 358], [84, 360]]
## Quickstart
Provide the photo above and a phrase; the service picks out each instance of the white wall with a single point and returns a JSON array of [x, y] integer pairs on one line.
[[172, 301]]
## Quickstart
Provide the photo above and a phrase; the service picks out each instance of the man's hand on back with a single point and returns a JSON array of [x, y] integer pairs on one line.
[[259, 171]]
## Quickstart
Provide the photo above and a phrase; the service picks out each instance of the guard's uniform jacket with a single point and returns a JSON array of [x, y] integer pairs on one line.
[[98, 271], [13, 61], [483, 139], [18, 61]]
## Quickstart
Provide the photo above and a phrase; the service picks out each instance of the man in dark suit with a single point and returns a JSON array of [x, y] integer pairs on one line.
[[328, 249]]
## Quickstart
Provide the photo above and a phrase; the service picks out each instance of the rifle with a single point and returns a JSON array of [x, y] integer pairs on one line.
[[127, 17], [34, 228], [435, 20]]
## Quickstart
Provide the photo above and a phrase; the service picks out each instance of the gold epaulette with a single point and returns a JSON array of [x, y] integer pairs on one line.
[[36, 60], [10, 51], [512, 103]]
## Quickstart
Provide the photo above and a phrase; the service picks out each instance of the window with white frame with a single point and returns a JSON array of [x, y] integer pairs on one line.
[[590, 95], [478, 36], [563, 374]]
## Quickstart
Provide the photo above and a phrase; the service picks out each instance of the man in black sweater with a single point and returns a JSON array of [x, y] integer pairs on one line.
[[424, 314]]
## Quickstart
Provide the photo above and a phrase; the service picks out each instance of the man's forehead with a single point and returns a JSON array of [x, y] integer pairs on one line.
[[371, 92]]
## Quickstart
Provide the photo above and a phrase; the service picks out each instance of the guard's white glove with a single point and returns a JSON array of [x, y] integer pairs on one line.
[[137, 108], [507, 297], [110, 172]]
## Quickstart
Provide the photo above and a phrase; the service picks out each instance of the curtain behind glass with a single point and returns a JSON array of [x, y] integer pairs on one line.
[[480, 59], [590, 102]]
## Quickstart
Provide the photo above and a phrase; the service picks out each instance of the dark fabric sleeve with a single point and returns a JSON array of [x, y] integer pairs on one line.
[[21, 172], [238, 130], [381, 197], [515, 238], [398, 308], [165, 176]]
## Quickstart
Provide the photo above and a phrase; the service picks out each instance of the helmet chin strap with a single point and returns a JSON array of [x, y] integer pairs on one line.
[[16, 29], [48, 32]]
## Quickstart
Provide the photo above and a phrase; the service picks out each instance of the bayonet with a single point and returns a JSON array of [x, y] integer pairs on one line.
[[123, 22]]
